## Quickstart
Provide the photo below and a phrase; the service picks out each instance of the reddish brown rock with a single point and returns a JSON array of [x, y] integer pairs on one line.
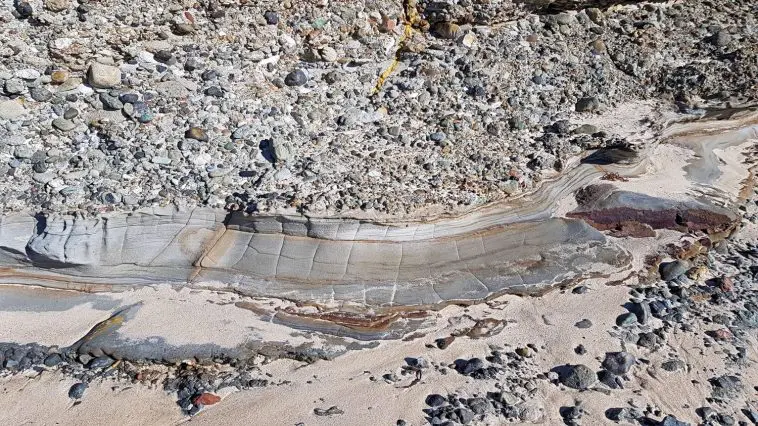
[[206, 399]]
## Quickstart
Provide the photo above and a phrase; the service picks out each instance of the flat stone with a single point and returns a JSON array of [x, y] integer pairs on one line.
[[103, 76], [63, 125], [11, 110]]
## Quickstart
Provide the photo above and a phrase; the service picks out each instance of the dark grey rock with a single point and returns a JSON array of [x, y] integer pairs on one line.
[[53, 359], [77, 391], [40, 94], [296, 78], [100, 362], [271, 17], [435, 400], [583, 324], [626, 320], [110, 102], [672, 421], [587, 104], [618, 363], [578, 377]]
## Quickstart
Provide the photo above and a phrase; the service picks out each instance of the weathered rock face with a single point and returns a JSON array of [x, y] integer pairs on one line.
[[527, 245], [318, 260]]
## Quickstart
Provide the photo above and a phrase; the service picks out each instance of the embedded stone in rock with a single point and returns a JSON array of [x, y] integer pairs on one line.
[[578, 377], [103, 76]]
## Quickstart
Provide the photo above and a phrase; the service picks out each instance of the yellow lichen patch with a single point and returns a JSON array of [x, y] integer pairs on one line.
[[411, 19]]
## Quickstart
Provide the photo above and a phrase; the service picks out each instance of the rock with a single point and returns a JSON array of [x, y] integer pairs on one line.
[[672, 421], [103, 76], [444, 342], [463, 415], [24, 9], [417, 362], [648, 340], [578, 377], [296, 78], [525, 352], [183, 29], [585, 129], [52, 360], [435, 400], [77, 391], [71, 113], [721, 38], [205, 399], [15, 86], [63, 125], [751, 414], [214, 91], [672, 270], [59, 76], [579, 289], [626, 320], [618, 363], [478, 405], [466, 367], [331, 411], [725, 387], [100, 363], [583, 324], [595, 15], [328, 54], [272, 18], [580, 350], [56, 5], [588, 104], [164, 56], [111, 103], [40, 94], [196, 133], [11, 110], [673, 365], [624, 414]]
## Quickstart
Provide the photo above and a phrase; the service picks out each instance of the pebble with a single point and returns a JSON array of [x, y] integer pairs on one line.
[[70, 113], [579, 377], [672, 270], [77, 391], [618, 363], [435, 400], [15, 86], [40, 94], [103, 76], [63, 125], [196, 133], [588, 104], [59, 76], [110, 102], [11, 110], [583, 324], [53, 359], [24, 9], [296, 78]]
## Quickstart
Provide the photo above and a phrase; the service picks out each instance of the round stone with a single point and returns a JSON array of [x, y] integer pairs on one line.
[[296, 78]]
